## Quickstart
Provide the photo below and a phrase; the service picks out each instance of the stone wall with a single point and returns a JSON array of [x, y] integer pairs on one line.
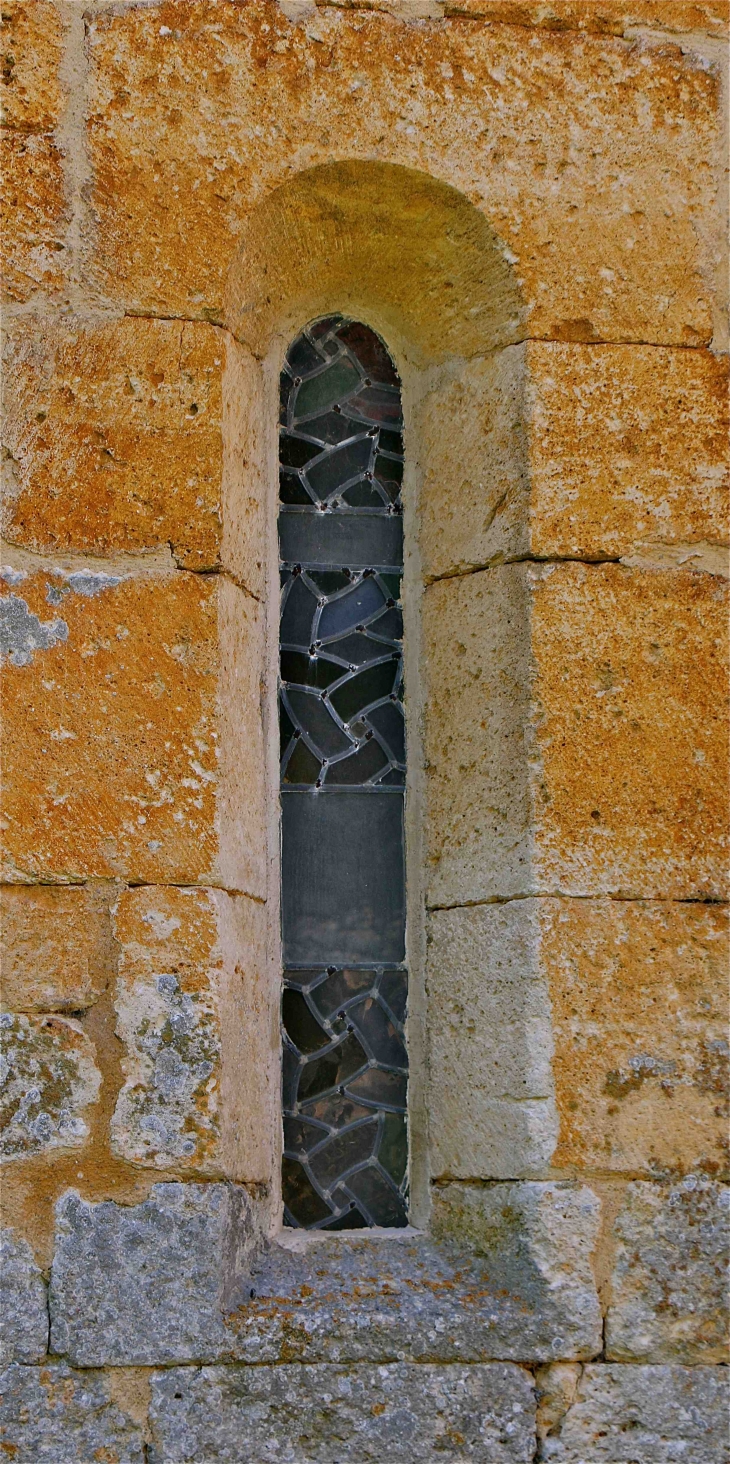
[[527, 201]]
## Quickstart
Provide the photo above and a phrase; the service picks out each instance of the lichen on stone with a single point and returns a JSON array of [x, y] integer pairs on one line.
[[48, 1077]]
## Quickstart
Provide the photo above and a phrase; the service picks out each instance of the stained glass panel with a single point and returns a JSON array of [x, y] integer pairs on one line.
[[343, 748]]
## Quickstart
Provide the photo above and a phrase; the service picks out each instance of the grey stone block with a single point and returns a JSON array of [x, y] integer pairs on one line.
[[149, 1283], [669, 1298], [52, 1415], [624, 1414], [23, 1304], [335, 1414]]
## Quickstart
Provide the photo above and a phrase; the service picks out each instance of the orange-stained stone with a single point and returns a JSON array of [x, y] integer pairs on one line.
[[113, 692], [34, 215], [639, 1017], [115, 432], [609, 17], [630, 770], [574, 733], [588, 156], [628, 448], [31, 96], [54, 944], [50, 1080]]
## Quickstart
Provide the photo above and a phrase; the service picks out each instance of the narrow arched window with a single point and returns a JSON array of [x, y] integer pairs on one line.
[[342, 781]]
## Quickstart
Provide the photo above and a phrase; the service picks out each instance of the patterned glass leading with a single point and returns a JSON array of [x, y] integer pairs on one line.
[[342, 781]]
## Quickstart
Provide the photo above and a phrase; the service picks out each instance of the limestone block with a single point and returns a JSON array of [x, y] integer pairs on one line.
[[116, 695], [540, 1237], [573, 739], [53, 946], [201, 1066], [327, 1414], [631, 795], [669, 1274], [34, 215], [23, 1304], [49, 1079], [610, 17], [54, 1413], [148, 1284], [628, 452], [596, 260], [114, 429], [474, 505], [654, 1414], [32, 97], [491, 1097], [638, 992]]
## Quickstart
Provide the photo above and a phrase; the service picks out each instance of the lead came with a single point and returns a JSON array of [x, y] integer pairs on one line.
[[343, 766]]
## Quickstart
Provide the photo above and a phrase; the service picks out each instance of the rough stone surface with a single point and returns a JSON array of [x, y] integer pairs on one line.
[[116, 722], [34, 215], [114, 430], [670, 1274], [653, 1414], [610, 471], [608, 17], [23, 1304], [32, 97], [274, 93], [53, 944], [491, 1104], [148, 1284], [638, 992], [52, 1415], [329, 1414], [573, 738], [49, 1079]]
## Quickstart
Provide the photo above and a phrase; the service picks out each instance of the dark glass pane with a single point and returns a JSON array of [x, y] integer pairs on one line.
[[300, 1024], [355, 1146], [388, 722], [340, 464], [364, 687], [352, 608], [362, 541], [343, 897], [300, 1196], [319, 392], [359, 768], [379, 1198], [393, 1148], [298, 614], [310, 713], [333, 1069], [302, 766]]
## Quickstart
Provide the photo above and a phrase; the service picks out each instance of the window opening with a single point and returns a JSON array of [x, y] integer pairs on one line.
[[342, 781]]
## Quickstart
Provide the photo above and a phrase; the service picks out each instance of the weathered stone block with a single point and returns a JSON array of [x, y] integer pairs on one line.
[[49, 1079], [118, 691], [52, 1413], [628, 452], [114, 429], [572, 733], [610, 17], [652, 1414], [331, 1413], [491, 1097], [669, 1275], [540, 1238], [23, 1303], [594, 261], [32, 97], [638, 992], [53, 944], [34, 214], [201, 1062], [148, 1284]]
